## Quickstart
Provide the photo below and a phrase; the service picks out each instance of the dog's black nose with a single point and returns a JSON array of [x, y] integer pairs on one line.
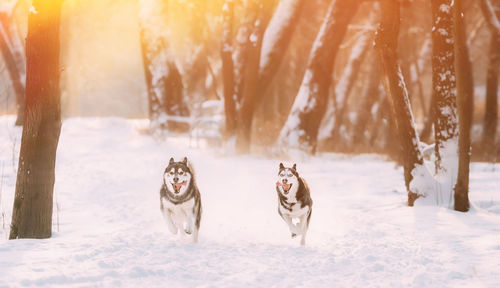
[[284, 181], [176, 179]]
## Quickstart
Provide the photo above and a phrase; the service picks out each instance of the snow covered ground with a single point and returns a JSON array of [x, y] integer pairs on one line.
[[111, 232]]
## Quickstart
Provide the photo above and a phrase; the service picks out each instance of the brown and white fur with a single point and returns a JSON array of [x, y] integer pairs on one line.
[[180, 200], [294, 201]]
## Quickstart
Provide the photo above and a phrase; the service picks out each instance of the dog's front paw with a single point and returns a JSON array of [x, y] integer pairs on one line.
[[294, 235], [188, 231]]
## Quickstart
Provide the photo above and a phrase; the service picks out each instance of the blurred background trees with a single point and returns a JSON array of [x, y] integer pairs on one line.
[[261, 74]]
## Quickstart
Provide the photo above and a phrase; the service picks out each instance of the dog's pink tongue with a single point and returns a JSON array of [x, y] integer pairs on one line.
[[286, 187], [179, 185]]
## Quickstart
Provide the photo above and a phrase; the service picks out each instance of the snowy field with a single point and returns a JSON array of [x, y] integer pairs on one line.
[[110, 231]]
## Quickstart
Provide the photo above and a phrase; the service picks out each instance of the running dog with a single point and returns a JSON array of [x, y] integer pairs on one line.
[[294, 201], [180, 200]]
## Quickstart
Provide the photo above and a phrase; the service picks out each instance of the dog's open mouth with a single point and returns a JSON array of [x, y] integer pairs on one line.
[[178, 186], [286, 187]]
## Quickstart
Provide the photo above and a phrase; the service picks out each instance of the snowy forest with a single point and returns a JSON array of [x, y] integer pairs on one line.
[[379, 115]]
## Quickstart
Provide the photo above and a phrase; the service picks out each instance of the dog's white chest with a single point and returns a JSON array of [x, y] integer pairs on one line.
[[179, 212], [296, 210]]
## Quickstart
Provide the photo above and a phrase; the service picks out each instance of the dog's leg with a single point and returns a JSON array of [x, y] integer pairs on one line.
[[304, 223], [195, 235], [170, 223], [291, 226], [189, 225]]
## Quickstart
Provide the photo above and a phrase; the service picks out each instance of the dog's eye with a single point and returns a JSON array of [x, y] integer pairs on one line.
[[181, 173], [290, 175], [171, 173]]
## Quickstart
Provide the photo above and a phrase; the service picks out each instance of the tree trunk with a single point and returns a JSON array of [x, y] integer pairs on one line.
[[228, 68], [276, 41], [370, 96], [32, 211], [163, 80], [331, 135], [271, 51], [386, 43], [491, 105], [9, 56], [301, 128], [173, 100], [153, 101], [443, 88], [464, 101], [251, 76]]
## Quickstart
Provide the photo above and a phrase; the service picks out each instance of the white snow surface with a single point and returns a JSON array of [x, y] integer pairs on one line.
[[111, 232]]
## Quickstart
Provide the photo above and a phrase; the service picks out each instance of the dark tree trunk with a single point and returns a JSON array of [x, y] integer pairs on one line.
[[32, 211], [429, 120], [269, 61], [491, 106], [10, 63], [228, 68], [251, 76], [464, 101], [370, 96], [443, 86], [386, 43], [274, 51], [333, 140], [173, 100], [301, 128]]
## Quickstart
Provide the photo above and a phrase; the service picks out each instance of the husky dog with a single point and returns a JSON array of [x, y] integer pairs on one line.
[[180, 201], [294, 201]]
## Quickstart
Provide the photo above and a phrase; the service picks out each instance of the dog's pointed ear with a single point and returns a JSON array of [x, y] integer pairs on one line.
[[281, 166], [294, 167], [185, 161], [171, 160]]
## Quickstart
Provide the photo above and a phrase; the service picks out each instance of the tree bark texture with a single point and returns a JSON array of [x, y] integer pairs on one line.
[[33, 200], [301, 128], [386, 43], [464, 101], [251, 75], [228, 68], [491, 104], [444, 87]]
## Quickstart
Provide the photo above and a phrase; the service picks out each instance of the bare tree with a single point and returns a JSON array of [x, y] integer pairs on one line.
[[32, 211], [386, 43], [251, 73], [272, 41], [228, 67], [161, 73], [335, 115], [370, 97], [491, 105], [464, 100], [12, 56], [443, 88], [301, 128]]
